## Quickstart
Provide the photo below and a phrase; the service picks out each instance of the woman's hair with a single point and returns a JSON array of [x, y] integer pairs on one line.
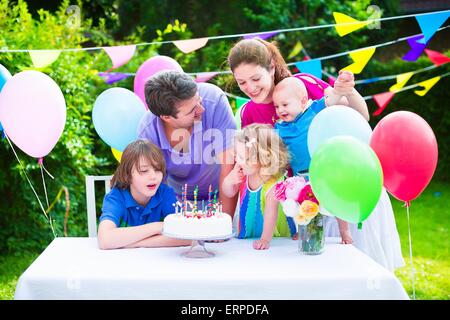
[[265, 148], [131, 157], [259, 52]]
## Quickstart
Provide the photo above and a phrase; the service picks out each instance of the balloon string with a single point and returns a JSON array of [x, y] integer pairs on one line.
[[41, 163], [410, 255], [43, 183], [31, 185]]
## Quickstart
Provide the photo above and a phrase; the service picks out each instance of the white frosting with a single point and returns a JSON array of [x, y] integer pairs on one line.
[[215, 226]]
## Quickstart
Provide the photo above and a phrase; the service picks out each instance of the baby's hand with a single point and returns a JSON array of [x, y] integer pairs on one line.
[[346, 237], [261, 244], [345, 83]]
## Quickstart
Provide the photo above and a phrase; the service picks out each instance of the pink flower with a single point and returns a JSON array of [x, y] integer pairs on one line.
[[293, 187], [307, 194], [280, 191]]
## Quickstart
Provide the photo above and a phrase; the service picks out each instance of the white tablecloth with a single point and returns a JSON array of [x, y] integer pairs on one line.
[[75, 268]]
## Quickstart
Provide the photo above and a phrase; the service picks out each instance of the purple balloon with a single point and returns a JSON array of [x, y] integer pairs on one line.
[[149, 68], [33, 112]]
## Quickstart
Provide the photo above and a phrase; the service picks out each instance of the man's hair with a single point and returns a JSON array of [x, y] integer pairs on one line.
[[164, 89]]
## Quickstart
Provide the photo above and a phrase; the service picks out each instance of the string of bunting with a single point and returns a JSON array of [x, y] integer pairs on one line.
[[429, 23]]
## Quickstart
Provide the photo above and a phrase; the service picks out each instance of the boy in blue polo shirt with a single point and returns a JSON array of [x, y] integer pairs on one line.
[[134, 209]]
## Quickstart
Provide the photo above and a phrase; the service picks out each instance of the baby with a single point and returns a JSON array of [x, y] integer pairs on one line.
[[296, 113]]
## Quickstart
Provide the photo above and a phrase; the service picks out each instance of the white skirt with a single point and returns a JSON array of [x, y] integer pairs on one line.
[[378, 237]]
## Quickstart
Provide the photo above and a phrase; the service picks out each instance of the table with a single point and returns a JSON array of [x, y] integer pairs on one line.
[[75, 268]]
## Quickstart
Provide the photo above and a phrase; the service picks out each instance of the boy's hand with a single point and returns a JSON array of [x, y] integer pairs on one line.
[[261, 244], [345, 83]]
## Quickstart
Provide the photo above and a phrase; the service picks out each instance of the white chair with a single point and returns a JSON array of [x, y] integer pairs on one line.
[[90, 201]]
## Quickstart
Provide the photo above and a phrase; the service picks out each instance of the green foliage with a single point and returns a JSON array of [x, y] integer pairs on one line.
[[79, 151]]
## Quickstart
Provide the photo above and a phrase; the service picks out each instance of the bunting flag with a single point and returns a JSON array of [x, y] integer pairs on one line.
[[262, 35], [187, 46], [402, 79], [416, 48], [342, 24], [382, 100], [427, 84], [296, 50], [436, 57], [312, 66], [360, 59], [112, 77], [43, 58], [120, 54], [205, 76], [429, 23]]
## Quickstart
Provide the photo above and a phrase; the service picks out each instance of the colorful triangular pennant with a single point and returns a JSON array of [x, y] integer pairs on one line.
[[187, 46], [402, 79], [436, 57], [382, 100], [360, 58], [427, 84], [346, 24], [312, 66], [43, 58], [262, 35], [416, 49], [205, 76], [120, 55], [296, 50], [429, 23]]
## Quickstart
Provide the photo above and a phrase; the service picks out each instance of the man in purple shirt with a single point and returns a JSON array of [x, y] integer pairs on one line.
[[193, 125]]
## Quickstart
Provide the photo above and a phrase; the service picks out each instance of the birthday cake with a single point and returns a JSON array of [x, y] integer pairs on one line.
[[191, 222]]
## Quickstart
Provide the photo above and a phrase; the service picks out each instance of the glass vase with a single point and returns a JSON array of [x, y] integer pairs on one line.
[[311, 238]]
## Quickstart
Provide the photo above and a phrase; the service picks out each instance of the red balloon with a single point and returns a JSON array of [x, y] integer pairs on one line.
[[408, 152]]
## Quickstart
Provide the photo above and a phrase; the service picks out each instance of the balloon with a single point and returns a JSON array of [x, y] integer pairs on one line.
[[407, 148], [337, 121], [149, 68], [346, 177], [4, 76], [117, 154], [33, 112], [116, 115]]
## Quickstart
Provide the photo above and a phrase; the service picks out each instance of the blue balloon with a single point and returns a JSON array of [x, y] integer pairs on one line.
[[4, 76], [337, 121], [116, 116]]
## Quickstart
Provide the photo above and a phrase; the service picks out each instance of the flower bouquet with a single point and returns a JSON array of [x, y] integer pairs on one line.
[[298, 202]]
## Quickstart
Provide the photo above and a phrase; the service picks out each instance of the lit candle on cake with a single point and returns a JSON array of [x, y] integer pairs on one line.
[[215, 198], [209, 198], [195, 199], [185, 199]]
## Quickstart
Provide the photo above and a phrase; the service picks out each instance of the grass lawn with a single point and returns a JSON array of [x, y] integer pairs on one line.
[[429, 231]]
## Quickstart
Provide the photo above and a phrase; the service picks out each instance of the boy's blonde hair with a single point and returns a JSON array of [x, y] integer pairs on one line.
[[131, 158], [265, 148]]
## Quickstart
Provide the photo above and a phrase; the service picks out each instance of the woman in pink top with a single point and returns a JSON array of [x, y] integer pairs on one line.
[[257, 66]]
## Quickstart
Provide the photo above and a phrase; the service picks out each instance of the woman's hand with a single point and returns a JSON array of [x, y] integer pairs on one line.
[[261, 244]]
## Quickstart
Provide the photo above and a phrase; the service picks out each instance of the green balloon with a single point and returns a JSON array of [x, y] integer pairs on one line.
[[346, 177]]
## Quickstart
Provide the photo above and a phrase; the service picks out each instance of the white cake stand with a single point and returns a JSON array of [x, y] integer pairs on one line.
[[198, 249]]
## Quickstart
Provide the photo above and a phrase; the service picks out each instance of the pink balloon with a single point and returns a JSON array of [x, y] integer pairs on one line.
[[33, 112], [149, 68], [408, 152]]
